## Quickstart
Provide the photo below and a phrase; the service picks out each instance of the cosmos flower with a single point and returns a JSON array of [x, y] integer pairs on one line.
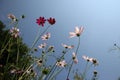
[[12, 17], [42, 45], [41, 21], [67, 47], [74, 57], [77, 32], [46, 36], [61, 63], [14, 32], [93, 60], [86, 58], [51, 21]]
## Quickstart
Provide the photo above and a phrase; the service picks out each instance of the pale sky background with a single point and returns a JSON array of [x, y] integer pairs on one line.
[[100, 18]]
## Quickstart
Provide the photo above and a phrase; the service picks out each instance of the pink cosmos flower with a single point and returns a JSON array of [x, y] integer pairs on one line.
[[77, 32], [41, 21], [85, 58], [46, 36], [14, 32], [11, 16], [51, 21], [42, 45], [93, 60], [67, 47], [74, 57]]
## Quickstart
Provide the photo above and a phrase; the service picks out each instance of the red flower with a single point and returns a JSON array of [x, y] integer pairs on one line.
[[41, 21], [51, 21]]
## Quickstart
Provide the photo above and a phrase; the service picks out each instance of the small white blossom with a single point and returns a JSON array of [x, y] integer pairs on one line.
[[68, 47], [93, 60], [74, 57], [46, 36], [77, 32], [14, 32], [61, 63], [42, 45], [11, 16]]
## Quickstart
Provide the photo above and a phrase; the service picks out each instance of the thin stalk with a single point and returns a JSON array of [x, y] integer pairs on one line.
[[76, 55], [50, 71], [18, 52], [86, 69], [42, 77], [37, 38], [20, 78], [54, 66], [55, 74], [5, 47], [6, 39]]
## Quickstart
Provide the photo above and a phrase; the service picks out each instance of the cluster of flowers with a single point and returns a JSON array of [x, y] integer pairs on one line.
[[49, 72]]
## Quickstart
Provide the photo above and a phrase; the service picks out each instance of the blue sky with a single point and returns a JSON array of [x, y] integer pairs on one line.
[[100, 19]]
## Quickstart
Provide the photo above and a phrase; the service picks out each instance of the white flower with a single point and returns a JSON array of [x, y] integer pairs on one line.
[[61, 63], [67, 47], [77, 32], [42, 45], [46, 36], [74, 57], [85, 58], [93, 60], [14, 32], [11, 16]]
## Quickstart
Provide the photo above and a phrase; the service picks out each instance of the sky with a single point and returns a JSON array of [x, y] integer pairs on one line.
[[100, 19]]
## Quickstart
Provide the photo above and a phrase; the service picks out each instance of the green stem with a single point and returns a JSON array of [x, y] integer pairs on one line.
[[18, 52], [76, 55], [5, 46], [50, 71], [20, 78], [85, 71], [54, 66], [55, 74], [6, 39], [37, 38], [42, 77]]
